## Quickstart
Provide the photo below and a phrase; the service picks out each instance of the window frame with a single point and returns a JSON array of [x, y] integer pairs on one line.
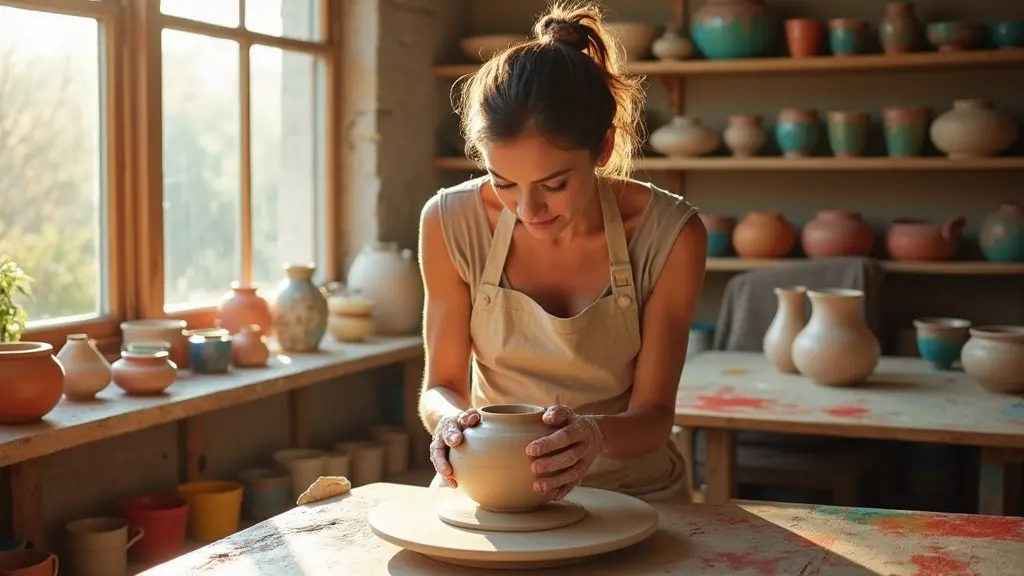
[[132, 125]]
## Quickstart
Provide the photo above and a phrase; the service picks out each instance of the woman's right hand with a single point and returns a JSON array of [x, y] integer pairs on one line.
[[448, 434]]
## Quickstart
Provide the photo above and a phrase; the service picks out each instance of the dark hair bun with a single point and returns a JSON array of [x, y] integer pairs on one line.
[[573, 34]]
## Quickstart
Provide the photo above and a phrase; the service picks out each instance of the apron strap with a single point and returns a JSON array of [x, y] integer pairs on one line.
[[499, 249], [623, 286]]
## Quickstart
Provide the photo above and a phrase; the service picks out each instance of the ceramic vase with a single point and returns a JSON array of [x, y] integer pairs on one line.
[[804, 37], [86, 371], [672, 45], [797, 132], [351, 317], [726, 29], [684, 137], [744, 136], [899, 29], [905, 127], [243, 307], [836, 348], [31, 381], [1002, 234], [763, 235], [835, 233], [994, 356], [719, 229], [391, 278], [491, 464], [300, 311], [847, 132], [143, 373], [973, 129], [789, 320], [916, 240], [846, 36], [940, 340], [249, 347]]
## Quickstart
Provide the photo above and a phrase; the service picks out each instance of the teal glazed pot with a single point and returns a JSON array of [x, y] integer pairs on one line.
[[719, 229], [940, 340], [847, 132], [905, 128], [209, 351], [797, 131], [847, 36], [1007, 33], [267, 493], [1002, 234], [728, 29]]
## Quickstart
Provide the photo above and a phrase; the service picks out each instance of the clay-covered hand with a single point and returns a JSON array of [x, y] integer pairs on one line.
[[563, 457], [447, 435]]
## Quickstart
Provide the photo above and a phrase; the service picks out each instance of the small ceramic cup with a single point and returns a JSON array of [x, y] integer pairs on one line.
[[209, 351], [940, 340]]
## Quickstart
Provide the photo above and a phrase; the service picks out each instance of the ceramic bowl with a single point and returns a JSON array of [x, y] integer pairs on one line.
[[1007, 33], [482, 47], [940, 340], [952, 36]]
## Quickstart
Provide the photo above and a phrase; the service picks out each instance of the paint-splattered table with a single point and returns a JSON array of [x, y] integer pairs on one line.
[[905, 399], [746, 538]]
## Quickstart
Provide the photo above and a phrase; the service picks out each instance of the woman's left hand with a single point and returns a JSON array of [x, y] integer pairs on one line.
[[563, 457]]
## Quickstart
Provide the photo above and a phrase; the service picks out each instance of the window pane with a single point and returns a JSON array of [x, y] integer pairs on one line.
[[202, 160], [291, 18], [287, 160], [221, 12], [51, 158]]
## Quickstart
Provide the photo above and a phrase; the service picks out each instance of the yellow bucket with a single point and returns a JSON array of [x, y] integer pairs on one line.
[[215, 508]]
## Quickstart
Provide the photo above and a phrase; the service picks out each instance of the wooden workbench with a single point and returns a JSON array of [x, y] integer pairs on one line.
[[723, 392], [332, 537]]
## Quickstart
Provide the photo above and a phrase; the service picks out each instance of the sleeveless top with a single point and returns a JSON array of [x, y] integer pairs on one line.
[[522, 354]]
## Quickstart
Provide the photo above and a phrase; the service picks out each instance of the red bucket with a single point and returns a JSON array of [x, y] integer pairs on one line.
[[164, 518]]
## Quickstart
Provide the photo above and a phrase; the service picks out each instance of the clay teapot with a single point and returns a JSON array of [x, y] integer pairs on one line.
[[836, 233], [917, 240], [491, 464]]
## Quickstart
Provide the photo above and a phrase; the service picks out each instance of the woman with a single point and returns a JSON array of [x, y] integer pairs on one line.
[[556, 279]]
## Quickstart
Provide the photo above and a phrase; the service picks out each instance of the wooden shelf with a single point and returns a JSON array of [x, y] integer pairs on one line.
[[896, 267], [114, 413], [776, 163], [866, 62]]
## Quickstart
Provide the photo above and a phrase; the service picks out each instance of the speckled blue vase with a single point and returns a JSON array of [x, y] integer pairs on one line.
[[797, 132], [1002, 234], [300, 311], [727, 29], [1007, 33], [940, 340]]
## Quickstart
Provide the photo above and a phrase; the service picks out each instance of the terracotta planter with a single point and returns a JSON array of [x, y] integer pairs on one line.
[[847, 132], [744, 136], [835, 233], [789, 320], [763, 235], [684, 137], [719, 229], [900, 29], [973, 129], [804, 37], [905, 129], [244, 307], [915, 240], [994, 356], [86, 371], [31, 381], [836, 348], [491, 464], [1002, 234]]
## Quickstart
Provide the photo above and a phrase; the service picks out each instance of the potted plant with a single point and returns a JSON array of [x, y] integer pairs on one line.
[[13, 281]]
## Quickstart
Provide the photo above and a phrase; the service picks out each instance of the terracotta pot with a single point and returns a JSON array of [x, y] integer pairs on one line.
[[684, 137], [144, 373], [836, 348], [835, 233], [719, 229], [804, 37], [244, 307], [164, 517], [847, 132], [916, 240], [86, 371], [905, 127], [994, 356], [158, 329], [392, 279], [789, 320], [973, 129], [249, 347], [797, 131], [763, 235], [1002, 234], [491, 464], [744, 136], [28, 563], [31, 381], [300, 311], [899, 29], [940, 340]]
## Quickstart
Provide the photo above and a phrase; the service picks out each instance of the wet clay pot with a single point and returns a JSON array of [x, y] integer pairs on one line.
[[744, 136], [491, 464], [1002, 234], [905, 128], [763, 235], [899, 29], [789, 320], [836, 348], [804, 37], [719, 229], [244, 307], [31, 381], [994, 356], [835, 233], [916, 240]]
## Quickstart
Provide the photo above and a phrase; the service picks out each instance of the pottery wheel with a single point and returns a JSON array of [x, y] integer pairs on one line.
[[462, 512], [611, 521]]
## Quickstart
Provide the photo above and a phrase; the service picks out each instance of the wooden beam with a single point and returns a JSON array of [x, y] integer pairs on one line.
[[192, 447], [27, 520], [298, 419]]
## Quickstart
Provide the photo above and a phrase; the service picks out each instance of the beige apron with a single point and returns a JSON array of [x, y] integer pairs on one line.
[[522, 354]]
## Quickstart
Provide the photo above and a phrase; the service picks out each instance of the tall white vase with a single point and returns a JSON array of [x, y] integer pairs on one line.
[[836, 348], [788, 322]]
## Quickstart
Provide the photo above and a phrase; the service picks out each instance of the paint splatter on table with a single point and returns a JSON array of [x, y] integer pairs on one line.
[[745, 539]]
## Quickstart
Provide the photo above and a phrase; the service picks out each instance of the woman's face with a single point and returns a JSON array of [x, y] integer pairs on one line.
[[546, 187]]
